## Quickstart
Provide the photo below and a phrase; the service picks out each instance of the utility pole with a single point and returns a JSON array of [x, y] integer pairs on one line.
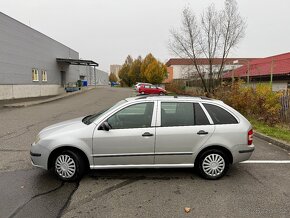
[[95, 76], [233, 76], [248, 73], [271, 76]]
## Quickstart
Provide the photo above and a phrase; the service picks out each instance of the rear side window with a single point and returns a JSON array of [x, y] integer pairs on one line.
[[219, 115], [200, 117]]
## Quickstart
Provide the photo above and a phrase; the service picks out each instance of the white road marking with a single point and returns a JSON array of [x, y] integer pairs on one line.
[[268, 161]]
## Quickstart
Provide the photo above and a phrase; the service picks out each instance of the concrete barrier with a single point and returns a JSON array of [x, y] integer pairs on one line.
[[28, 91]]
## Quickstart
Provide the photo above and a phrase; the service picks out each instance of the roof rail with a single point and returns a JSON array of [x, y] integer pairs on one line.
[[205, 98], [144, 96]]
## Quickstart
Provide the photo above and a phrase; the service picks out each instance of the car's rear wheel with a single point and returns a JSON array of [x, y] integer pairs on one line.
[[69, 166], [213, 164]]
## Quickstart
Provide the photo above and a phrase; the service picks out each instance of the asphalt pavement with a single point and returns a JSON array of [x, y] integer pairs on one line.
[[252, 189]]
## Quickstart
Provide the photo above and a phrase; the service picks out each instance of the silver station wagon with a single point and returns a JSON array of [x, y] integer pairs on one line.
[[148, 132]]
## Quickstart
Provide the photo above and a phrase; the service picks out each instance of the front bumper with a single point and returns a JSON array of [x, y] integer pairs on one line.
[[39, 156]]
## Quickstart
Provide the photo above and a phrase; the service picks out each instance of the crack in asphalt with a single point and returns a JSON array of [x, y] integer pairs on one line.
[[67, 202], [102, 193], [254, 177], [13, 150], [33, 197], [26, 129]]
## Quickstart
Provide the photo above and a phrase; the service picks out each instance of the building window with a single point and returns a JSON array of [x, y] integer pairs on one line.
[[44, 75], [35, 75]]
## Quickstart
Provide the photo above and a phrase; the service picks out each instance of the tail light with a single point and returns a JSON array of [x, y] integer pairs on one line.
[[250, 136]]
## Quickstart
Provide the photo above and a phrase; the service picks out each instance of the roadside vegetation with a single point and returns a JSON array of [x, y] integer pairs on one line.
[[259, 104], [148, 70], [113, 77], [279, 131]]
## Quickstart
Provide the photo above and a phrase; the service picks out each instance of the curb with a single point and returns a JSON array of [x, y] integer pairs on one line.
[[277, 142], [32, 103]]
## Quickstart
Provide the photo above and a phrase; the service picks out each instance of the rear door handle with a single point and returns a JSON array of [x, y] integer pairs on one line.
[[202, 132], [147, 134]]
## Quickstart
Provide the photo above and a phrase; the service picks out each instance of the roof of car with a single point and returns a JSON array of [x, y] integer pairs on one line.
[[166, 98]]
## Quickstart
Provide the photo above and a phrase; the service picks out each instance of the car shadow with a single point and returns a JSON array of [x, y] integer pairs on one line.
[[146, 174]]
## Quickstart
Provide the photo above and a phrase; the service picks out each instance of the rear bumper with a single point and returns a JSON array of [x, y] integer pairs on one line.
[[242, 153], [247, 151]]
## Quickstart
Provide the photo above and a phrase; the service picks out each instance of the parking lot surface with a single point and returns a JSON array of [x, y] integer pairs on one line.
[[254, 188]]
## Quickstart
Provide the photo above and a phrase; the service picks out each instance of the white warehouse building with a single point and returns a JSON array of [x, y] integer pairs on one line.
[[33, 64]]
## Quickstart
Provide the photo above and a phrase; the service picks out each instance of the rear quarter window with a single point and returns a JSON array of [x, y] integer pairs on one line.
[[220, 115]]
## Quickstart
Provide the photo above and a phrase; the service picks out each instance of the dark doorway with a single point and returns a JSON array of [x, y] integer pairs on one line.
[[62, 78]]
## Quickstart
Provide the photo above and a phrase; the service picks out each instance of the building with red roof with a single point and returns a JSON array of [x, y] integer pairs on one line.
[[261, 70], [184, 69]]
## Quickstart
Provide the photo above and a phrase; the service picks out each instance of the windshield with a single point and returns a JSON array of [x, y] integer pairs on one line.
[[90, 118]]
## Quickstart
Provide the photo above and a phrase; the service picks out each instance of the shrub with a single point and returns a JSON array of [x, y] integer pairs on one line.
[[177, 87], [260, 103]]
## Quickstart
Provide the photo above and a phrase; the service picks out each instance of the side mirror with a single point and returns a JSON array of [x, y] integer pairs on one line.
[[105, 126]]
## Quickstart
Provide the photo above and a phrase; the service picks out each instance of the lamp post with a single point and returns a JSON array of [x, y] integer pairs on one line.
[[248, 73], [271, 72], [248, 70]]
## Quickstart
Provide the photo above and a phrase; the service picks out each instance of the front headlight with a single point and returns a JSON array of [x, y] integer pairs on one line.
[[37, 139]]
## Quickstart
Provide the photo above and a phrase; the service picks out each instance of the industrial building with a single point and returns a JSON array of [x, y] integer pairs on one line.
[[33, 64], [274, 70], [115, 68], [184, 69]]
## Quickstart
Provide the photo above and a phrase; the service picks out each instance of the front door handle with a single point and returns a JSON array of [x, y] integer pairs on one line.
[[202, 132], [147, 134]]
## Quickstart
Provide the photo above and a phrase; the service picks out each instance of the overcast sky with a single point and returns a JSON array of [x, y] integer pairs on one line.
[[106, 31]]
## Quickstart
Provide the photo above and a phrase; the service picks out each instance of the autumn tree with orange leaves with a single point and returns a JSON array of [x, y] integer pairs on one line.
[[148, 70]]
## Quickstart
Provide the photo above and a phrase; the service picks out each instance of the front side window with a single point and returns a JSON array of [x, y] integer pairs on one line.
[[220, 115], [134, 116], [177, 114], [35, 75]]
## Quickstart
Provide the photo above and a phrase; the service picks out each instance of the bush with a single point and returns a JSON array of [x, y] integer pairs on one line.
[[260, 103], [177, 87]]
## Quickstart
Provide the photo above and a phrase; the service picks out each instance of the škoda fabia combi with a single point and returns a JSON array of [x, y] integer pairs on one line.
[[148, 132]]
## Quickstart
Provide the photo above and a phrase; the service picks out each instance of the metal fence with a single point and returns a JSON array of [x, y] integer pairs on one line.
[[285, 110]]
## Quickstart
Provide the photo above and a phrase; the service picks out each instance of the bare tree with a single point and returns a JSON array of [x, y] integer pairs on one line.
[[212, 36]]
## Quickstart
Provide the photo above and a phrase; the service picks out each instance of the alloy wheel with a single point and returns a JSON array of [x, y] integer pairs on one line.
[[213, 165], [65, 166]]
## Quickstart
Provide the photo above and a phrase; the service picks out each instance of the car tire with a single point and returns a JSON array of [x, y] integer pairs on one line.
[[69, 166], [142, 93], [161, 93], [213, 164]]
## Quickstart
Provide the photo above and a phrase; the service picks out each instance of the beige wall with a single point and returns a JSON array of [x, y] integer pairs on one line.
[[276, 85], [185, 71], [27, 91]]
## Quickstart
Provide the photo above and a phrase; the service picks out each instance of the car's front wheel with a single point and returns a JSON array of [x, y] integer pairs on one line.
[[69, 166], [213, 164]]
